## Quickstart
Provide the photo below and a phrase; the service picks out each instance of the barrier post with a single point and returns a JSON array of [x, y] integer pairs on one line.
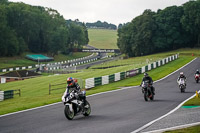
[[197, 94], [49, 89]]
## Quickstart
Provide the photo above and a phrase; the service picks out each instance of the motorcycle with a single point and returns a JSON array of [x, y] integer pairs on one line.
[[146, 89], [75, 106], [182, 85], [196, 76]]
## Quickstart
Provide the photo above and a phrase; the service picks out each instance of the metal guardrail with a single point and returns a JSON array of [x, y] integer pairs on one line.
[[9, 94]]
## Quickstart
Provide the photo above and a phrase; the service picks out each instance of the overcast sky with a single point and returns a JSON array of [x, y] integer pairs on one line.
[[111, 11]]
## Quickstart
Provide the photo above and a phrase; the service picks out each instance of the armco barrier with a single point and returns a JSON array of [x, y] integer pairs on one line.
[[36, 65], [122, 75], [105, 80], [9, 94], [98, 81], [92, 82], [1, 95], [111, 78]]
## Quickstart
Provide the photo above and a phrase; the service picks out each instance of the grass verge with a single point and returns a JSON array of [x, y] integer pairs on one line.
[[193, 102], [35, 91], [194, 129]]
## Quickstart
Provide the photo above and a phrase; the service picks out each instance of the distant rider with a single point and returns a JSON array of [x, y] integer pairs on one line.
[[182, 76], [197, 72], [150, 81], [71, 84]]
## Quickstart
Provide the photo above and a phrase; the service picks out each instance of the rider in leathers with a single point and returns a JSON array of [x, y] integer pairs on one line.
[[197, 72], [182, 76], [150, 81], [71, 84]]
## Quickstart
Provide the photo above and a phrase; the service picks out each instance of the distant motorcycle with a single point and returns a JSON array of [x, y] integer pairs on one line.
[[74, 106], [196, 76], [182, 85], [146, 90]]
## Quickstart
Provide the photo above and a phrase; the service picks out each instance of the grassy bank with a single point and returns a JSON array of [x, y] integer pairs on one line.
[[103, 38], [35, 91], [193, 102]]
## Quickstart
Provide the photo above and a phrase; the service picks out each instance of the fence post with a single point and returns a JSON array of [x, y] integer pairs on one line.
[[49, 89], [20, 92]]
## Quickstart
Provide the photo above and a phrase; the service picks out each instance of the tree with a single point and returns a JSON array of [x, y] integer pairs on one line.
[[9, 44], [135, 38], [37, 29], [191, 21], [169, 34], [58, 41]]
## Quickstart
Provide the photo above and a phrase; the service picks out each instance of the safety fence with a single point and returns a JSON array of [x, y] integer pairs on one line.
[[93, 82], [9, 94], [67, 65], [54, 87], [56, 65]]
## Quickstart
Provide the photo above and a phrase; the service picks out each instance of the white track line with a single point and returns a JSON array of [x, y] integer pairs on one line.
[[90, 95], [174, 128]]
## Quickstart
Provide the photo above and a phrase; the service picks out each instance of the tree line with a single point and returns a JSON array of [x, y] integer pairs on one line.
[[168, 29], [37, 29], [102, 25]]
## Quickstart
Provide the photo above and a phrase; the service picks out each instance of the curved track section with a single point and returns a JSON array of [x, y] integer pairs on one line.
[[119, 111]]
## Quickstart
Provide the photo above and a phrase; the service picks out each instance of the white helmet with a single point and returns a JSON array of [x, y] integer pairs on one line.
[[181, 73]]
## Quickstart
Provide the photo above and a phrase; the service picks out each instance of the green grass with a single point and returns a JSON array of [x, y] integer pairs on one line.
[[35, 90], [194, 129], [193, 102], [103, 38], [8, 62]]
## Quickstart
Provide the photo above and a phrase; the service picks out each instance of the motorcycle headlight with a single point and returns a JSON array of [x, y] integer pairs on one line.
[[84, 92]]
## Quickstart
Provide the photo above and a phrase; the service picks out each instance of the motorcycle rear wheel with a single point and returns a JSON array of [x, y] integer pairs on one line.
[[182, 90], [69, 114], [152, 97]]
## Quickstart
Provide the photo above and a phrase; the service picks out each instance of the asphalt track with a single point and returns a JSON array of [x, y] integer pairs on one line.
[[114, 112]]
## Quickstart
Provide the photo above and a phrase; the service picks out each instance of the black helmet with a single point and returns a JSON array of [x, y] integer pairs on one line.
[[69, 80], [145, 74]]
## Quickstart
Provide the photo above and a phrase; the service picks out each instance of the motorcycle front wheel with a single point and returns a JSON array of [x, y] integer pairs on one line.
[[69, 114], [146, 96], [87, 109]]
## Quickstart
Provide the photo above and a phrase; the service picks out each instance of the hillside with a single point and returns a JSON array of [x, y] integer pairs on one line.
[[103, 38]]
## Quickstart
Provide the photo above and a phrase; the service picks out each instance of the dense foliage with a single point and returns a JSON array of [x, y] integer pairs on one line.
[[37, 29], [168, 29], [102, 25]]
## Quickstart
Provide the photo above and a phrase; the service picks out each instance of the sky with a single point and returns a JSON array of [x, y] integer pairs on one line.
[[111, 11]]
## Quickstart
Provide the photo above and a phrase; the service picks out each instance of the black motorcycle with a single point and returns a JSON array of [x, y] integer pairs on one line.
[[146, 90], [75, 106]]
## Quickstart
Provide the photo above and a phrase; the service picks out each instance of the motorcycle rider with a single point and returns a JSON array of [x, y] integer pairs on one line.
[[150, 81], [71, 84], [182, 76], [197, 72]]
